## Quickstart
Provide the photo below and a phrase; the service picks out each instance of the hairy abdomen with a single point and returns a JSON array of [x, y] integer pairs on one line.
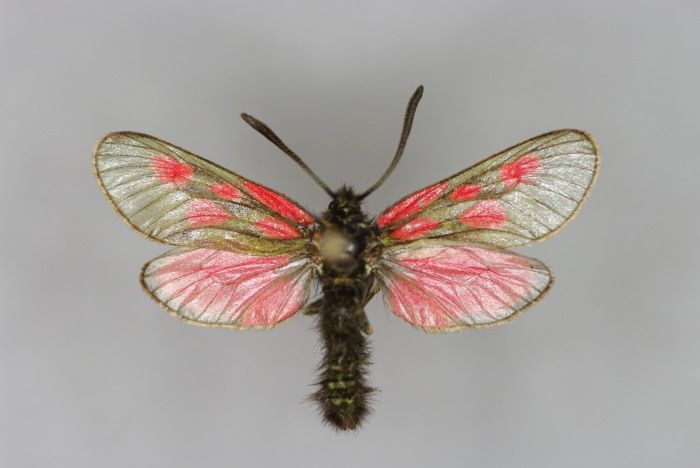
[[343, 391]]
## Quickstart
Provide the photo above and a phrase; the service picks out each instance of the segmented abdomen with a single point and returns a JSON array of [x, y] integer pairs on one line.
[[343, 391]]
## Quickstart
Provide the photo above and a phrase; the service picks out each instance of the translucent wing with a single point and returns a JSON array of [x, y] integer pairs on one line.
[[444, 286], [178, 198], [228, 289], [520, 195]]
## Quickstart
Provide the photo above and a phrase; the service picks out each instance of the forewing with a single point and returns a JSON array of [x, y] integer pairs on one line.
[[228, 289], [442, 286], [178, 198], [520, 195]]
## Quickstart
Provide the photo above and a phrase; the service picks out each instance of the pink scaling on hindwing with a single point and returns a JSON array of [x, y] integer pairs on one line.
[[436, 286], [408, 300], [214, 286], [281, 301]]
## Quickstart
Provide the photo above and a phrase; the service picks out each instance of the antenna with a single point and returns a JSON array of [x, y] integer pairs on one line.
[[407, 123], [267, 132]]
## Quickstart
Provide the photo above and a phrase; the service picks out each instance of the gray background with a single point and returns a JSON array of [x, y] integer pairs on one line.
[[603, 372]]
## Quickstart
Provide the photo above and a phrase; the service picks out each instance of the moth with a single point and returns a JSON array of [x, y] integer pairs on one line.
[[247, 256]]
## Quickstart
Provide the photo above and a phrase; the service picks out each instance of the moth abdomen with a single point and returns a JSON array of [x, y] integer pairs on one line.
[[343, 391]]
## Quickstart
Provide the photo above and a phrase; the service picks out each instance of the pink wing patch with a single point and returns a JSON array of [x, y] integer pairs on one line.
[[411, 205], [465, 192], [206, 213], [442, 287], [170, 170], [520, 170], [278, 203], [276, 229], [220, 288], [414, 229], [226, 191], [487, 214], [514, 197]]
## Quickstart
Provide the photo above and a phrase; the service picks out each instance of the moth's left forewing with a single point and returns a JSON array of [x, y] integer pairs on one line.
[[523, 194], [440, 286], [176, 197]]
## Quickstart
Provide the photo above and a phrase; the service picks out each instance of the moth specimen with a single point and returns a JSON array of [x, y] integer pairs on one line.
[[246, 256]]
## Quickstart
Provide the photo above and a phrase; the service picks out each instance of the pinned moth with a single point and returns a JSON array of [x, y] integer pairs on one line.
[[246, 256]]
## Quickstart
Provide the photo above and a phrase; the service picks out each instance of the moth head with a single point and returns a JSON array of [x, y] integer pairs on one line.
[[345, 201]]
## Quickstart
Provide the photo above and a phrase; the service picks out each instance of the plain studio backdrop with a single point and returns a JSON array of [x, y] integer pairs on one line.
[[603, 372]]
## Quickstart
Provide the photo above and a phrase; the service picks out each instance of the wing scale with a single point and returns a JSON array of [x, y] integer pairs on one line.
[[228, 289], [444, 286], [520, 195], [178, 198]]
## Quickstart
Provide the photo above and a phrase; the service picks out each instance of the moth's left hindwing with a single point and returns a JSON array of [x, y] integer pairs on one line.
[[228, 289], [244, 264]]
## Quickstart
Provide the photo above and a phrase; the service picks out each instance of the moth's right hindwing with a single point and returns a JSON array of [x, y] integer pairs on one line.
[[446, 285]]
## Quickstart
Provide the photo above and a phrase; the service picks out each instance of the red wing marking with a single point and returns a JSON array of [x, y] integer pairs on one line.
[[465, 192], [406, 291], [170, 170], [440, 287], [411, 205], [539, 183], [272, 227], [226, 191], [487, 214], [204, 212], [518, 171], [225, 288], [278, 203], [414, 229], [178, 198]]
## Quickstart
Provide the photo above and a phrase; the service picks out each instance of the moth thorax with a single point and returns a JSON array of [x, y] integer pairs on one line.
[[336, 248]]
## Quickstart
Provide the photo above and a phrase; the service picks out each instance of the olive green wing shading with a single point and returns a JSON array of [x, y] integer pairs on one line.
[[175, 197], [520, 195]]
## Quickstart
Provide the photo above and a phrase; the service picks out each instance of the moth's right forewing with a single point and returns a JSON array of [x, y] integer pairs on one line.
[[523, 194]]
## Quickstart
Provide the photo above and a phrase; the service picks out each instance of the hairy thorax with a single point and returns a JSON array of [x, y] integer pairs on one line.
[[346, 240], [338, 251]]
